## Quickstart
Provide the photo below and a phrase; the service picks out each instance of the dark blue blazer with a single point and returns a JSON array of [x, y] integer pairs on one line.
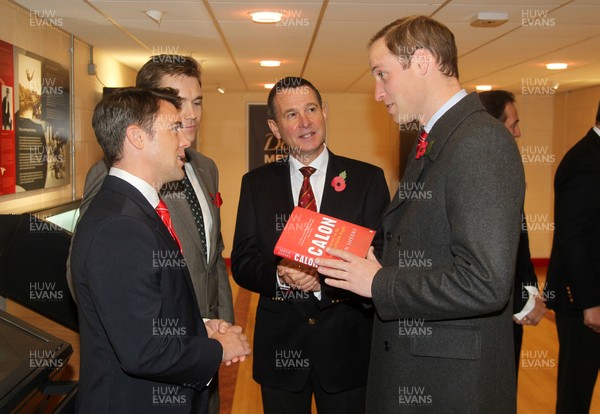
[[294, 331], [144, 347]]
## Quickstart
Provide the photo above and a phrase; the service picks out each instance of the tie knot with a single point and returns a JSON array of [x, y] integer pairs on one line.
[[307, 171], [162, 206], [423, 135]]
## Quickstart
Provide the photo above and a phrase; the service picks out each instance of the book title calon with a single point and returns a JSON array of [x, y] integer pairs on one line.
[[307, 234]]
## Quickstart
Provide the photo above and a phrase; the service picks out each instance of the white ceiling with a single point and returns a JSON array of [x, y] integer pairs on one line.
[[325, 40]]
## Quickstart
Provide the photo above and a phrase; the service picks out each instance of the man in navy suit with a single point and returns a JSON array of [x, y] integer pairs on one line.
[[442, 341], [309, 339], [144, 346], [574, 272]]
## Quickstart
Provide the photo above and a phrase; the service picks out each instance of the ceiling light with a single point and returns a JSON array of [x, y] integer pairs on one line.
[[556, 66], [155, 15], [269, 85], [220, 90], [489, 19], [266, 17], [482, 88], [270, 63]]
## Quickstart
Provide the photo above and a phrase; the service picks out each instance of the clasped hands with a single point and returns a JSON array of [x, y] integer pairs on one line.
[[298, 276], [235, 344]]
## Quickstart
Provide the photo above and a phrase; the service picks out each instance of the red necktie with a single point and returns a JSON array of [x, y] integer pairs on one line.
[[163, 212], [422, 145], [307, 197]]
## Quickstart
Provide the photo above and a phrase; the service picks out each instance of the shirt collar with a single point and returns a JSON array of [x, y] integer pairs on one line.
[[596, 130], [142, 186], [319, 163], [449, 104]]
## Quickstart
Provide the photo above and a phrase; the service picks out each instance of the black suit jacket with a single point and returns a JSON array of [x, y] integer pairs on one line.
[[144, 347], [294, 331], [574, 271]]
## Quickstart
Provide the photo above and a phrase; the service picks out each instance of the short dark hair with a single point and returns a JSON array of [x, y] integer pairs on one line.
[[289, 82], [403, 37], [598, 114], [151, 74], [125, 107], [495, 102]]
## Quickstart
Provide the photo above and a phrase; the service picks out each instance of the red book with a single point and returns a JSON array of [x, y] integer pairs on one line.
[[307, 234]]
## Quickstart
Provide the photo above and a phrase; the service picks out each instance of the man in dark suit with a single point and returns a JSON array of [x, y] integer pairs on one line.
[[574, 272], [309, 339], [198, 233], [144, 347], [442, 341], [501, 105]]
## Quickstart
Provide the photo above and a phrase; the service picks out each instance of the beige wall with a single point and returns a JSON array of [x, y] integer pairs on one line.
[[358, 127], [55, 44]]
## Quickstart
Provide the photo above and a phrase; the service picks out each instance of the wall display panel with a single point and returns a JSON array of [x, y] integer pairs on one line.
[[34, 150]]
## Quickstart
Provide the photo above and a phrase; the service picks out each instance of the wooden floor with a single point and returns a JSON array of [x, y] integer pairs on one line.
[[241, 395]]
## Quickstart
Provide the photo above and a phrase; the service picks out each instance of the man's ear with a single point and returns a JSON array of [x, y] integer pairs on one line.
[[325, 110], [136, 136], [274, 128], [423, 59]]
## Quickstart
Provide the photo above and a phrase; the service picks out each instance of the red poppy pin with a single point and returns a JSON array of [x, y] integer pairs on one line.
[[339, 183], [216, 200]]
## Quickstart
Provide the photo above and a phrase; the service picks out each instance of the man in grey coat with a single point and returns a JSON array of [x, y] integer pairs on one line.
[[442, 338]]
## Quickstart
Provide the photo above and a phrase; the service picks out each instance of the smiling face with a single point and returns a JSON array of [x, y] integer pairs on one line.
[[190, 93], [300, 122], [396, 86]]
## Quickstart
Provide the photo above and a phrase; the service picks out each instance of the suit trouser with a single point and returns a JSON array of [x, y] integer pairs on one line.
[[518, 338], [578, 364], [214, 403], [344, 402]]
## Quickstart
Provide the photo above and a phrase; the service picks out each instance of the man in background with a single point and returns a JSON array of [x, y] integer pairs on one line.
[[194, 202], [574, 272], [501, 105], [309, 339], [442, 338], [144, 346]]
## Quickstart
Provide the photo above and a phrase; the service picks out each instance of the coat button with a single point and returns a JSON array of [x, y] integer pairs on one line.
[[386, 345], [388, 236], [312, 321]]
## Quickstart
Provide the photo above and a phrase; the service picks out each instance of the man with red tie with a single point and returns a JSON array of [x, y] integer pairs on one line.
[[144, 346], [309, 339]]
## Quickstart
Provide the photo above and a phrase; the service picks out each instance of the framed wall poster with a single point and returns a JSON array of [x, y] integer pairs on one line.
[[263, 146], [34, 154]]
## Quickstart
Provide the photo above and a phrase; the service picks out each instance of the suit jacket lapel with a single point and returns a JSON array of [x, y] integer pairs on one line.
[[332, 200]]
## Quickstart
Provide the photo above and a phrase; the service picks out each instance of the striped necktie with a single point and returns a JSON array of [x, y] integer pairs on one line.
[[307, 197], [163, 212]]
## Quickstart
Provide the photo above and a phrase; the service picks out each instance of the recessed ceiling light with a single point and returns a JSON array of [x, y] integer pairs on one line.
[[556, 66], [266, 17], [482, 88], [220, 90], [269, 85], [155, 15], [270, 63]]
